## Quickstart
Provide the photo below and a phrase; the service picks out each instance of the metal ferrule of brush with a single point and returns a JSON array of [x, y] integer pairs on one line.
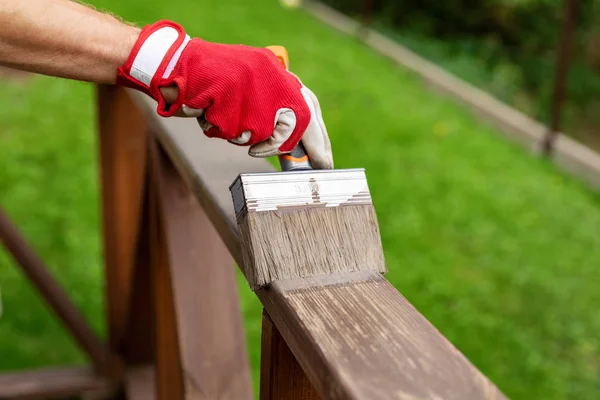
[[297, 224], [272, 191]]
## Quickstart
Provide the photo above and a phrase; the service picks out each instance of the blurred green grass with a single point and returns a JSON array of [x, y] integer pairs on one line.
[[497, 249]]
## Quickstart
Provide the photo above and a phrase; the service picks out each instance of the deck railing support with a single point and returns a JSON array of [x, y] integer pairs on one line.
[[174, 318]]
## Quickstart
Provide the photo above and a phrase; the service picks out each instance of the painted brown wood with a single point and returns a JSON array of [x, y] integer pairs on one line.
[[206, 301], [169, 374], [138, 345], [140, 383], [390, 351], [53, 383], [51, 291], [357, 337], [281, 377], [122, 138]]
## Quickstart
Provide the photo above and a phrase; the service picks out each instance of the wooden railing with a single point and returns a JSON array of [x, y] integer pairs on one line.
[[174, 323]]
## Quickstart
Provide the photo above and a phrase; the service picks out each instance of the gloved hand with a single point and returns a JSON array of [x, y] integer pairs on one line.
[[238, 93]]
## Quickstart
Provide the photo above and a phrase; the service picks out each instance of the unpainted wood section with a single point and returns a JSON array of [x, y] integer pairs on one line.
[[140, 383], [169, 374], [359, 338], [577, 159], [122, 138], [54, 383], [281, 377], [206, 300], [51, 291], [325, 313]]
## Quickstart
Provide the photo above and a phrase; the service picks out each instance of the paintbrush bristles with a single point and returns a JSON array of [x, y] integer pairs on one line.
[[306, 241]]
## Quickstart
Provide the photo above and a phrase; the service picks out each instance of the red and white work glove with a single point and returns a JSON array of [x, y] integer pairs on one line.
[[238, 93]]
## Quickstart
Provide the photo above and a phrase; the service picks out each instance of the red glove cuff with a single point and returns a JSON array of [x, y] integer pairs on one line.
[[152, 60]]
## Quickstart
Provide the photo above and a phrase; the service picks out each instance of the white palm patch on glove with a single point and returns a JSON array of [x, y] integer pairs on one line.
[[315, 138]]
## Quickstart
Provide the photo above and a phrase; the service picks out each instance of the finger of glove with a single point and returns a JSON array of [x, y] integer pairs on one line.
[[209, 129], [315, 139], [285, 123]]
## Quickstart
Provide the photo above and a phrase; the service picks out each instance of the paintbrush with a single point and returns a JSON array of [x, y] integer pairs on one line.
[[303, 222]]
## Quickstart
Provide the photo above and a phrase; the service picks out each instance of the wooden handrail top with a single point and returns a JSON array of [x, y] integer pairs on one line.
[[354, 335]]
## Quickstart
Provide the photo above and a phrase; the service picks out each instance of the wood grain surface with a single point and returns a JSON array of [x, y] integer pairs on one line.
[[169, 371], [281, 377], [357, 337]]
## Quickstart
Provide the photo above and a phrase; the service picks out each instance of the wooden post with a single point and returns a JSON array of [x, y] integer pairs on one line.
[[281, 377], [55, 383], [201, 315], [563, 61], [123, 149], [169, 374]]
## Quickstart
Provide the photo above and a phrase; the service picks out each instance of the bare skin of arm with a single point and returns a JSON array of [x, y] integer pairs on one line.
[[65, 39]]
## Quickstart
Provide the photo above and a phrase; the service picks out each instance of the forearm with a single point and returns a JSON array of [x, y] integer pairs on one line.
[[63, 38]]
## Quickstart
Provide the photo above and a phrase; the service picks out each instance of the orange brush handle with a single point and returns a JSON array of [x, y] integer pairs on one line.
[[297, 159], [282, 55]]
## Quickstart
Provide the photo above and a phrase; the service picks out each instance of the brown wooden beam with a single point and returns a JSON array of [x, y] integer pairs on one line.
[[50, 290], [281, 377], [169, 372], [206, 312], [123, 149], [357, 337], [54, 383]]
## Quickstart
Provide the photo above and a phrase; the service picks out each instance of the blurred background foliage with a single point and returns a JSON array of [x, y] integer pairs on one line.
[[506, 47]]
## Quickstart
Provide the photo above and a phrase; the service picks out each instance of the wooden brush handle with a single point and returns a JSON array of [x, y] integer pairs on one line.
[[298, 158]]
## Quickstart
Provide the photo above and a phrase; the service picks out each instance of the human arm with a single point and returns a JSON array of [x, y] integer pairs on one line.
[[238, 93], [63, 38]]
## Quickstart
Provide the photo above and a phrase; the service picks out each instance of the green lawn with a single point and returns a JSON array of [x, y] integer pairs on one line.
[[498, 249]]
